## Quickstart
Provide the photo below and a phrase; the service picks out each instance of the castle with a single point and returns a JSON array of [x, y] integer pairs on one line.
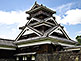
[[41, 34]]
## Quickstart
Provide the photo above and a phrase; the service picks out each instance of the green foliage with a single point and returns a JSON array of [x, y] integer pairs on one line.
[[78, 38]]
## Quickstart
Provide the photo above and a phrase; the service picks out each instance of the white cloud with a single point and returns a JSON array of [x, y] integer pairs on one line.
[[3, 36], [58, 18], [72, 17], [11, 33], [78, 33], [68, 16], [63, 8], [10, 18], [13, 17]]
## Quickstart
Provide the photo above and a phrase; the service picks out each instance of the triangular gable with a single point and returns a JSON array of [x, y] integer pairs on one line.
[[32, 21], [59, 32], [51, 20], [28, 35], [26, 32]]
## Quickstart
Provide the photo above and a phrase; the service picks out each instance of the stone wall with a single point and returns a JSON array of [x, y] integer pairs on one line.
[[59, 57]]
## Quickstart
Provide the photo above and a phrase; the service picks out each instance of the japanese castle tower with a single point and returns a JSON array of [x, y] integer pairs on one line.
[[41, 34]]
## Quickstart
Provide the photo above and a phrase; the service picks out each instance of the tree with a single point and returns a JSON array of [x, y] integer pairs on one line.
[[78, 38]]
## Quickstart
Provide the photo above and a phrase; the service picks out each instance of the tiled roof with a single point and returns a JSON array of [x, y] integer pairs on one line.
[[53, 39], [7, 42]]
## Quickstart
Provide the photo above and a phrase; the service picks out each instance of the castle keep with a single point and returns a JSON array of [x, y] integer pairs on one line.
[[40, 35]]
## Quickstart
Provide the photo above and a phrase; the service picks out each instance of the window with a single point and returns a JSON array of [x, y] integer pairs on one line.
[[33, 57], [24, 58], [17, 58]]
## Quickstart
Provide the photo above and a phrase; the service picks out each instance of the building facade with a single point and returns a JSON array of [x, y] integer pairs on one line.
[[40, 35]]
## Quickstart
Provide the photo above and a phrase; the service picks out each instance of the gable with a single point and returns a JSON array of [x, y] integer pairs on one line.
[[27, 36], [51, 21], [32, 21], [59, 32], [27, 33]]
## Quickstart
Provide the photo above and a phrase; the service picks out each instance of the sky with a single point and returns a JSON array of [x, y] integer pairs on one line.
[[13, 16]]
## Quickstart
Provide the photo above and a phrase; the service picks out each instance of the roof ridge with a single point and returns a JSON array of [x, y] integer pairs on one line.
[[6, 39]]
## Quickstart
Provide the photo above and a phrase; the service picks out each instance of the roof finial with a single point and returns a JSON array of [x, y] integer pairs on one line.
[[41, 4], [35, 2]]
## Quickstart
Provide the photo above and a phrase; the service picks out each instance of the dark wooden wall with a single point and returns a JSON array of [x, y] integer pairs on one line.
[[7, 55]]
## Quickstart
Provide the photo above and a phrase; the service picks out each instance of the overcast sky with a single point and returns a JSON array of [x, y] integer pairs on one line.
[[12, 15]]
